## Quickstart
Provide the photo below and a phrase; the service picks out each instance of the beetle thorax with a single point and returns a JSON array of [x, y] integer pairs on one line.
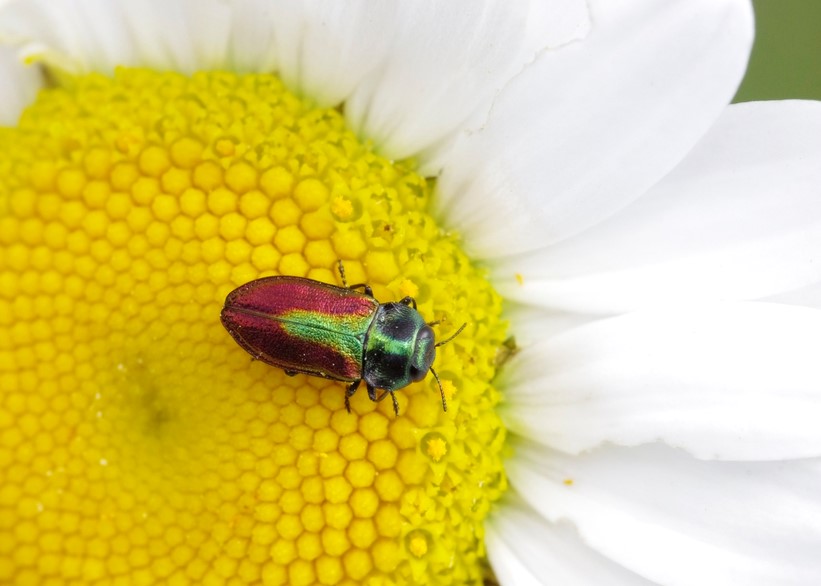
[[397, 351]]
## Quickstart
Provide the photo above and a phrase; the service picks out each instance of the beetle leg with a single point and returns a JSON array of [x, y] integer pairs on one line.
[[408, 301], [372, 394], [291, 372], [342, 272], [363, 286], [366, 288], [393, 398], [349, 393]]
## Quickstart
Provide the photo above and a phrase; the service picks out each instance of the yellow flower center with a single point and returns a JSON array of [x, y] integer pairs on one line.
[[139, 444]]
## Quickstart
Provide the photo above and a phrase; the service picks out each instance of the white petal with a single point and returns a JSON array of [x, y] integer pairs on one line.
[[75, 35], [677, 520], [97, 35], [740, 218], [809, 296], [731, 381], [526, 550], [530, 325], [445, 63], [183, 35], [18, 85], [589, 127], [320, 48]]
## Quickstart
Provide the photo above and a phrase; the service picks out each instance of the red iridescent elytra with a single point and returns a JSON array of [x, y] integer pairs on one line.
[[301, 325]]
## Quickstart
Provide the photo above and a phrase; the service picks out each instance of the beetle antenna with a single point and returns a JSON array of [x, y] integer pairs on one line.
[[441, 390], [435, 322], [443, 342]]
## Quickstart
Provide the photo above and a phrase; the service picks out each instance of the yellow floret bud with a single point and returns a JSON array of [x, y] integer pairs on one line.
[[138, 443]]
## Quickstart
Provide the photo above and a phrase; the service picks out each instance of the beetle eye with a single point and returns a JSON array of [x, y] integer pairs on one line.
[[423, 354]]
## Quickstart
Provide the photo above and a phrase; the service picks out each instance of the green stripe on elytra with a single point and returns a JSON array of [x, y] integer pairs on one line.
[[328, 330]]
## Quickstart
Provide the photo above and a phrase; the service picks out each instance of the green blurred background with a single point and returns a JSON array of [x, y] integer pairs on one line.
[[786, 59]]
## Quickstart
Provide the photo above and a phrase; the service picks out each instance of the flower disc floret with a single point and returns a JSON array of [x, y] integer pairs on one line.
[[138, 442]]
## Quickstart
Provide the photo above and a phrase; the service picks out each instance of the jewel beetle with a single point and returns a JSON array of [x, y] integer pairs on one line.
[[340, 333]]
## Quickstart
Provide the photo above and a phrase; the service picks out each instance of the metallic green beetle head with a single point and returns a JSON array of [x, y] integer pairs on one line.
[[394, 355], [400, 349]]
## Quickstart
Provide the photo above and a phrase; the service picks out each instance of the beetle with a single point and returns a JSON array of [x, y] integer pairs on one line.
[[340, 333]]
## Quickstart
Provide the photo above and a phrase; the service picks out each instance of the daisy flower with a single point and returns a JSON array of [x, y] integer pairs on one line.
[[635, 398]]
